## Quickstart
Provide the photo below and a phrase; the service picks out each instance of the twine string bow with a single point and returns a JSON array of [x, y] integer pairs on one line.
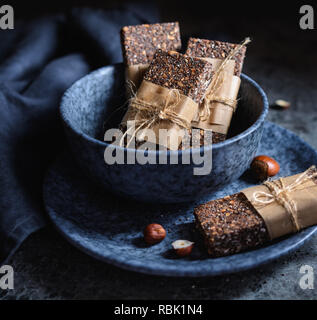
[[216, 84], [151, 113], [280, 193]]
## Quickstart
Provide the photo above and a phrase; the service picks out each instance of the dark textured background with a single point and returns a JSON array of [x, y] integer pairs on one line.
[[282, 59]]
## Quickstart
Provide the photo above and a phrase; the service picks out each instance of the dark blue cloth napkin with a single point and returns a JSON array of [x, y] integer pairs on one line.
[[39, 60]]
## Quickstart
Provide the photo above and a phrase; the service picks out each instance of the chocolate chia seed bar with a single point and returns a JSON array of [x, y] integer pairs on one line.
[[218, 137], [140, 42], [197, 138], [215, 49], [173, 70], [230, 225]]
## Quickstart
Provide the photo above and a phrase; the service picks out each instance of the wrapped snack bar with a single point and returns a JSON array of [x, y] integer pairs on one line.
[[216, 111], [140, 42], [168, 98], [258, 214]]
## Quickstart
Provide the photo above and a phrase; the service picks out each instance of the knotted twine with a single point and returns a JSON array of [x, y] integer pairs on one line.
[[280, 193], [150, 113]]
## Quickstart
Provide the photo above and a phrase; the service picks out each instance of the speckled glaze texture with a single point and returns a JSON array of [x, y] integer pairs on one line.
[[94, 104], [110, 229]]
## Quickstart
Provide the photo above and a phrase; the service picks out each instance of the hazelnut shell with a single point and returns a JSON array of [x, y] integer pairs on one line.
[[183, 247], [264, 166], [154, 233]]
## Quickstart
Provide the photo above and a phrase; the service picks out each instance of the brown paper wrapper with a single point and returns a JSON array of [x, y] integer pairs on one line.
[[278, 221], [158, 97], [220, 113], [135, 74]]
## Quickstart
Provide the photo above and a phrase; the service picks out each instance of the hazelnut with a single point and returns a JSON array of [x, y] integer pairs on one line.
[[183, 247], [154, 233], [282, 104], [263, 167]]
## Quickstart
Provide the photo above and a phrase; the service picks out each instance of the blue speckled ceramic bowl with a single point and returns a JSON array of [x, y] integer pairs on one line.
[[92, 105]]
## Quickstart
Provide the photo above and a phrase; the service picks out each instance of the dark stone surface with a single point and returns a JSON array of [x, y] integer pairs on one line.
[[282, 60]]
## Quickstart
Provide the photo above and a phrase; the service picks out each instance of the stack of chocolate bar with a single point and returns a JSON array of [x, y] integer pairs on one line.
[[206, 77], [174, 72]]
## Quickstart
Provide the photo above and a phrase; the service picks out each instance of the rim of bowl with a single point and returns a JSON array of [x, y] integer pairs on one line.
[[252, 128]]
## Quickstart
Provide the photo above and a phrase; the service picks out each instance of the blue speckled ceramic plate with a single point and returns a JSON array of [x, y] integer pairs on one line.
[[110, 228]]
